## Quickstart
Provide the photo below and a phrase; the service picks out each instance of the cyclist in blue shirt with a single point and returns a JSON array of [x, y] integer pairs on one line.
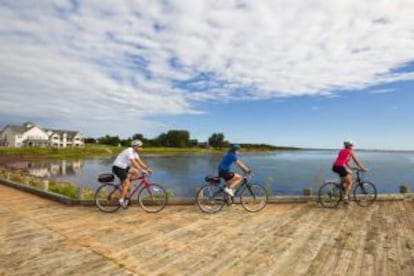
[[232, 179]]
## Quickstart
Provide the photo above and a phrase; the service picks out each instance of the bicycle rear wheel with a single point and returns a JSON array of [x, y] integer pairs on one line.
[[107, 198], [330, 195], [365, 193], [153, 198], [253, 197], [210, 198]]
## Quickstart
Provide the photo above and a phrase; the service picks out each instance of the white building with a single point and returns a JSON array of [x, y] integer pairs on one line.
[[30, 135]]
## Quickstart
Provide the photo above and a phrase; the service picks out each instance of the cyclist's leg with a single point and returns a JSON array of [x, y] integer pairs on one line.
[[348, 183], [234, 181], [133, 173], [122, 174], [228, 176], [346, 178]]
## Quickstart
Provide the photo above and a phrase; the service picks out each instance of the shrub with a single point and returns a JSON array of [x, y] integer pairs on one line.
[[307, 191], [404, 189], [87, 193]]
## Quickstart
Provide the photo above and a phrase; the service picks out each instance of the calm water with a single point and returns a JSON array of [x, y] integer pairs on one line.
[[288, 173]]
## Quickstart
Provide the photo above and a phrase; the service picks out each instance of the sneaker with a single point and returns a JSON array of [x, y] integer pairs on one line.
[[346, 202], [229, 191], [123, 203]]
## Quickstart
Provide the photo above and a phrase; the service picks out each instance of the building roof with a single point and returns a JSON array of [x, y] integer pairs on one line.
[[60, 132], [20, 129], [17, 129]]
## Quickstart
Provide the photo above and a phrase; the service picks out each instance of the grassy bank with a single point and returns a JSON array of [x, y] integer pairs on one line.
[[89, 151], [94, 150], [62, 153]]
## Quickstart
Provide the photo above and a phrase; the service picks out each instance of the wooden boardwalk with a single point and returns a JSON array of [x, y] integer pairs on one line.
[[41, 237]]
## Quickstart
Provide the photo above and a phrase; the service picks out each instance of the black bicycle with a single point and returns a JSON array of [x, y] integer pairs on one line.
[[211, 197], [332, 193]]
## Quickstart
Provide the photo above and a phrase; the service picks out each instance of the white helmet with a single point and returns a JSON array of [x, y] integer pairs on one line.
[[136, 143], [348, 142]]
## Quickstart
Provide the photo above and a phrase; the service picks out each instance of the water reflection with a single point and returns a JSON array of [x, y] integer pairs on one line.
[[51, 168]]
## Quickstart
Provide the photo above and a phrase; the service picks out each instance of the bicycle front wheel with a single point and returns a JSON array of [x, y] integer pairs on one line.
[[253, 197], [330, 195], [365, 193], [210, 198], [107, 198], [152, 198]]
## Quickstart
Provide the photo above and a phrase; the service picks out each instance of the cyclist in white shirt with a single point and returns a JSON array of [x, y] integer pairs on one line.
[[128, 162]]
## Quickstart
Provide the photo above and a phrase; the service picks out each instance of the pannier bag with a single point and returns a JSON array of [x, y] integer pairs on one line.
[[106, 177], [212, 179]]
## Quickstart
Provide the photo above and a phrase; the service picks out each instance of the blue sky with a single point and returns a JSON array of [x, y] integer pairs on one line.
[[289, 73]]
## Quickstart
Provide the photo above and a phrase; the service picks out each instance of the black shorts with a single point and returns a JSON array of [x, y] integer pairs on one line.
[[340, 170], [226, 175], [121, 173]]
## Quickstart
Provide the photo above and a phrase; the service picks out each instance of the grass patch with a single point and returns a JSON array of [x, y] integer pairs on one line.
[[66, 189]]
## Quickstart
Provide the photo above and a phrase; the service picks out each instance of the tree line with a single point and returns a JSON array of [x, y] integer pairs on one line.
[[179, 139], [172, 138]]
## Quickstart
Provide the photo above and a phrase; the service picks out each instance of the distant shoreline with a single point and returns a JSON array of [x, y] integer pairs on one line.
[[359, 150], [93, 151]]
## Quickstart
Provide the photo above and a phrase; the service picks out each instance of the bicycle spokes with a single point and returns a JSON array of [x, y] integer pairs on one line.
[[330, 194], [107, 197], [365, 194], [254, 197], [210, 198], [152, 198]]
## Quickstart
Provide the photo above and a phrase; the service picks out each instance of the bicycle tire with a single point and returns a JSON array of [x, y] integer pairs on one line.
[[210, 198], [152, 199], [365, 193], [253, 197], [107, 197], [330, 195]]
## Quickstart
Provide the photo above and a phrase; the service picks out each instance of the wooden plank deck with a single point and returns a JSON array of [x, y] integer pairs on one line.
[[41, 237]]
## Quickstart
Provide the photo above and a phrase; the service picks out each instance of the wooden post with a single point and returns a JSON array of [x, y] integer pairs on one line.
[[80, 193], [45, 185]]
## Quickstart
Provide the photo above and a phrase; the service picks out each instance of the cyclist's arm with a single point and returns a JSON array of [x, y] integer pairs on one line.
[[356, 160], [142, 166], [242, 166]]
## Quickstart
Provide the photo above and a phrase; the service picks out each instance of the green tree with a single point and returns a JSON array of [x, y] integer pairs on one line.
[[90, 140], [109, 140], [160, 140], [217, 140], [178, 138]]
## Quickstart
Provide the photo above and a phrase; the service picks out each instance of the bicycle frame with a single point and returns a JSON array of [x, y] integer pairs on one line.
[[229, 199], [356, 181], [137, 187]]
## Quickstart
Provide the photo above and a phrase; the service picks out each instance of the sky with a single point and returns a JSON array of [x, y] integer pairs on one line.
[[282, 72]]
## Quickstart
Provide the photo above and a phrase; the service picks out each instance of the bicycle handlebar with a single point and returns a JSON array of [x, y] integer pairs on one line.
[[248, 175], [356, 169]]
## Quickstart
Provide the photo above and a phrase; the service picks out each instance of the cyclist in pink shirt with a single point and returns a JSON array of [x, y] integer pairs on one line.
[[341, 166]]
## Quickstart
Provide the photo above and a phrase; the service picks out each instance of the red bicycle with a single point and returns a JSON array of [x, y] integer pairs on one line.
[[151, 197]]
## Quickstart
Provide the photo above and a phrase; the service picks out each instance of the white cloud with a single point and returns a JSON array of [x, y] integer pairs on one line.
[[382, 91], [98, 59]]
